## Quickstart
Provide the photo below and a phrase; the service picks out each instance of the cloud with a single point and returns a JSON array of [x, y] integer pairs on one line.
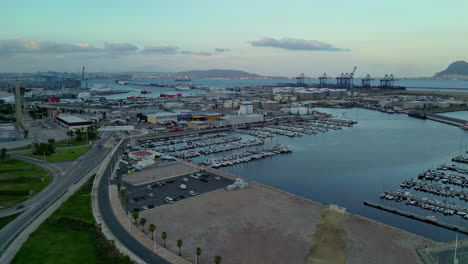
[[19, 45], [221, 50], [197, 53], [119, 47], [295, 44], [161, 49]]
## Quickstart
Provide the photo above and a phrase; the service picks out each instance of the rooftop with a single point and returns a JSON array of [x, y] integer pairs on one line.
[[72, 119]]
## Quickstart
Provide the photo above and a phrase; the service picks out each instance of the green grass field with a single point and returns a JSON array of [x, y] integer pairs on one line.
[[55, 242], [61, 154], [71, 143], [19, 180], [7, 219]]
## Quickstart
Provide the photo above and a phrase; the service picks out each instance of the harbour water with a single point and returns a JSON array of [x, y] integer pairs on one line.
[[228, 83], [348, 166]]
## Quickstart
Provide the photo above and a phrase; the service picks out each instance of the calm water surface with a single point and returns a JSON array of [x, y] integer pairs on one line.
[[348, 166]]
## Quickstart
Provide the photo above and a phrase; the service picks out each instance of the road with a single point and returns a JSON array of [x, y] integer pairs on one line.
[[119, 232], [65, 175]]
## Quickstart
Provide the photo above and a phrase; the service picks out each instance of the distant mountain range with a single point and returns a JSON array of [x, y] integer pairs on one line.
[[216, 73], [458, 69]]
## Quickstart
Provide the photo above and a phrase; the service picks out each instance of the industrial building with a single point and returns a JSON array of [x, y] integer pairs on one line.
[[246, 108], [237, 120], [72, 122]]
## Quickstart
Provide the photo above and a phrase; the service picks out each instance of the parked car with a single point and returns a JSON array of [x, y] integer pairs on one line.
[[183, 186], [151, 206], [145, 207], [19, 206], [182, 196], [217, 178], [169, 200], [185, 179], [193, 193], [150, 194]]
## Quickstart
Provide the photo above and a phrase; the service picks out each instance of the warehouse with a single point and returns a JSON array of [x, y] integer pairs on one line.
[[72, 122], [237, 120]]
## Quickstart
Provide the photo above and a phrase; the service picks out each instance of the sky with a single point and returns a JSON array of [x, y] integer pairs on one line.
[[276, 38]]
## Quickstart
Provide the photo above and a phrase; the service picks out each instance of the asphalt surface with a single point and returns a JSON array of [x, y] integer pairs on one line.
[[109, 218], [65, 174], [138, 196]]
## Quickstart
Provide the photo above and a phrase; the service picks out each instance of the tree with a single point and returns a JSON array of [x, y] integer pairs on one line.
[[70, 133], [142, 223], [218, 259], [79, 135], [126, 203], [198, 253], [135, 215], [26, 133], [164, 237], [179, 245], [152, 228], [3, 152]]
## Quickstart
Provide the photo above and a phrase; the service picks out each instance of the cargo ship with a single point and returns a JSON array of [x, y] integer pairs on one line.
[[465, 126]]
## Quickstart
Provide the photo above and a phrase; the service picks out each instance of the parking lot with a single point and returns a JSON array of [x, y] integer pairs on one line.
[[153, 194]]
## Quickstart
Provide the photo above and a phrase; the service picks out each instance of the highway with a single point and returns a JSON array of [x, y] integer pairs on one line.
[[119, 232], [65, 175]]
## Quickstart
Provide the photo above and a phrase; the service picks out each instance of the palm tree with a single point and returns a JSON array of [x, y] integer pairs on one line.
[[135, 215], [152, 228], [218, 259], [126, 202], [142, 223], [198, 253], [179, 245], [164, 237]]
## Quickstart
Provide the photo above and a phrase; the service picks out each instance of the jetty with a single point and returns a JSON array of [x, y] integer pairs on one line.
[[428, 220]]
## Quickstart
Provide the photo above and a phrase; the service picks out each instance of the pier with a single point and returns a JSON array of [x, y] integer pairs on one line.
[[417, 217], [439, 118]]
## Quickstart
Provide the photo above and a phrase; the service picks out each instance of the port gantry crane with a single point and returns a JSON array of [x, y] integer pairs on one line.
[[346, 80], [388, 81], [366, 81], [300, 80], [323, 80]]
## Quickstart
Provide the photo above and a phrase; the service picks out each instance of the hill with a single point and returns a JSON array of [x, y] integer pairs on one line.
[[458, 68], [217, 73]]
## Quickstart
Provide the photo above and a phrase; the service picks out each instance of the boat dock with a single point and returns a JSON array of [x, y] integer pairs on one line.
[[417, 217], [439, 118]]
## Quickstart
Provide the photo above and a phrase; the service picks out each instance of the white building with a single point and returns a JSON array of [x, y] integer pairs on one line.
[[246, 108]]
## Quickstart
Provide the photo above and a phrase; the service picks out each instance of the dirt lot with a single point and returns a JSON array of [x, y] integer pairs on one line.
[[264, 225]]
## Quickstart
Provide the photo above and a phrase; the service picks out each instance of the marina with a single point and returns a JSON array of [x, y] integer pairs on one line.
[[251, 155]]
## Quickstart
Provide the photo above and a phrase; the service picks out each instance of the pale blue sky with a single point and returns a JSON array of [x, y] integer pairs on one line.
[[407, 38]]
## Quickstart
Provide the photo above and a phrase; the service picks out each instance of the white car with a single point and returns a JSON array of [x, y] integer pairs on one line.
[[193, 193], [169, 200], [185, 179], [145, 207], [183, 186], [194, 176], [217, 178], [150, 194]]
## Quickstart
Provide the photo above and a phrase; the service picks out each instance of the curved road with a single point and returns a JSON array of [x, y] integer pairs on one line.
[[65, 174], [119, 232]]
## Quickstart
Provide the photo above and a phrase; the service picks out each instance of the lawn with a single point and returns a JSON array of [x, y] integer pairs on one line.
[[61, 154], [19, 180], [70, 241], [7, 219], [72, 143]]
